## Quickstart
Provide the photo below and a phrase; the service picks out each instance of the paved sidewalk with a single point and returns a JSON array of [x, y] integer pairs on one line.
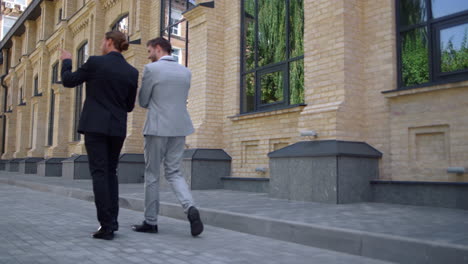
[[39, 227], [428, 223], [399, 233]]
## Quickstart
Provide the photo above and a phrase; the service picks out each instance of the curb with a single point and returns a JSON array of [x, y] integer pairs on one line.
[[361, 243]]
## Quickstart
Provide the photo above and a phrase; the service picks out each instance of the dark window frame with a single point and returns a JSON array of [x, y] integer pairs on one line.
[[36, 86], [433, 25], [55, 75], [21, 97], [260, 71], [79, 92], [167, 29]]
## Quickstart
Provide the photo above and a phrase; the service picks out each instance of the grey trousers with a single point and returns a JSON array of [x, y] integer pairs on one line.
[[169, 150]]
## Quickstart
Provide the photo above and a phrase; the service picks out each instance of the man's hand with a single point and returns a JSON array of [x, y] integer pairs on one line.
[[65, 55]]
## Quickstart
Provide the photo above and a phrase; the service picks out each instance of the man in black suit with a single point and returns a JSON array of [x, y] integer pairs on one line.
[[111, 87]]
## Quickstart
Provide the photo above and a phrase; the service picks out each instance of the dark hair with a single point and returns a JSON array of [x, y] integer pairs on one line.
[[161, 42], [120, 39]]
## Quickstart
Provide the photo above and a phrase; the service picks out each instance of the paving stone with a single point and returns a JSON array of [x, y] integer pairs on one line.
[[69, 241]]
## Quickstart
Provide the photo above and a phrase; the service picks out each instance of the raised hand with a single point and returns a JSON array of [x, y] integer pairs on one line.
[[65, 54]]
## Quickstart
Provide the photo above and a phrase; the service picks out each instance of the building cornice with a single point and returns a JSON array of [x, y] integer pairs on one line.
[[107, 4], [37, 53], [80, 20], [79, 24], [53, 42]]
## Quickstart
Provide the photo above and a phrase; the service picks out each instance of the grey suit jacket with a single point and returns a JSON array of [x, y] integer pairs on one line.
[[164, 93]]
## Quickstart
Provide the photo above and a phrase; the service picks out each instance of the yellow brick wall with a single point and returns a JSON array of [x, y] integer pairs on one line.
[[428, 133], [40, 46], [207, 65], [349, 58], [379, 75]]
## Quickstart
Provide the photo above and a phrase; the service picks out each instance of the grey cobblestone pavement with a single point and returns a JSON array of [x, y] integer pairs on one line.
[[442, 225], [38, 227]]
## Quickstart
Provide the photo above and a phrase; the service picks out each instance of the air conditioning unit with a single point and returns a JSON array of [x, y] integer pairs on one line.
[[9, 5]]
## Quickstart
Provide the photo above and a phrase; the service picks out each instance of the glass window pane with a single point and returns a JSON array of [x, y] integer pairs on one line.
[[175, 8], [412, 12], [414, 57], [177, 33], [271, 85], [454, 48], [36, 85], [121, 25], [442, 8], [191, 3], [249, 34], [9, 21], [249, 93], [296, 33], [176, 15], [271, 31], [50, 139], [176, 53], [296, 82]]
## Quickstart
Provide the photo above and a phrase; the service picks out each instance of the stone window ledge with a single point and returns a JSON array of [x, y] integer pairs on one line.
[[401, 182], [287, 110], [424, 89], [229, 178]]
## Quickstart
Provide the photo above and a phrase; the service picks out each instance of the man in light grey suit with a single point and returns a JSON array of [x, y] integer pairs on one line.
[[164, 93]]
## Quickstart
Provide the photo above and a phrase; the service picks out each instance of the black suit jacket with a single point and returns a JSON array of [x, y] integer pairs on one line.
[[111, 87]]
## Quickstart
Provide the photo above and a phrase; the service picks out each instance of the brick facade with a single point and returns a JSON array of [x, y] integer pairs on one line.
[[350, 58]]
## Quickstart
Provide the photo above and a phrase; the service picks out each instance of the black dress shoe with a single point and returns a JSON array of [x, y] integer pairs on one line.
[[104, 233], [145, 227], [196, 225]]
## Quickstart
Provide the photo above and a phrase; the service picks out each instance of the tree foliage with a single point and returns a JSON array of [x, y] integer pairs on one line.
[[415, 60], [271, 48], [453, 59]]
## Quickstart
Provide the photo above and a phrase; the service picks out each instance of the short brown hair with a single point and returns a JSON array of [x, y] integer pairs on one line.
[[120, 39], [161, 42]]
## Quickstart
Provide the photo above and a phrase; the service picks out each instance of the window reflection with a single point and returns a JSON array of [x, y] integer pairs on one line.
[[442, 8], [454, 48]]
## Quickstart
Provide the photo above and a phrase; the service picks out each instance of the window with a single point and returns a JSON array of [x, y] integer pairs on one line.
[[82, 56], [54, 79], [18, 2], [432, 41], [50, 134], [121, 25], [174, 27], [36, 86], [272, 62], [175, 17], [33, 131], [8, 23], [21, 96], [176, 53]]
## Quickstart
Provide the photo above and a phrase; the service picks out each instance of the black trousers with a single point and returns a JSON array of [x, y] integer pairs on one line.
[[103, 155]]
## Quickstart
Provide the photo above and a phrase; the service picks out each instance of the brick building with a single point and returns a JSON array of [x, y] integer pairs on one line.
[[390, 73]]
